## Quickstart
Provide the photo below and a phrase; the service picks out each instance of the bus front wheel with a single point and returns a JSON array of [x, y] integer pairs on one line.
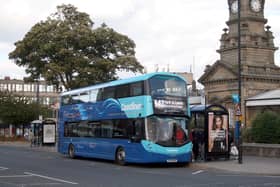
[[71, 151], [120, 156]]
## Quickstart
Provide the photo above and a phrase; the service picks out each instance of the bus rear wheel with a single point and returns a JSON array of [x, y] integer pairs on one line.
[[120, 156], [71, 151]]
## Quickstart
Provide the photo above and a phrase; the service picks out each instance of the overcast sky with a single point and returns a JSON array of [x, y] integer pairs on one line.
[[182, 33]]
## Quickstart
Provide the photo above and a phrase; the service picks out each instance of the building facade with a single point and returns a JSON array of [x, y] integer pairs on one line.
[[258, 70], [33, 91]]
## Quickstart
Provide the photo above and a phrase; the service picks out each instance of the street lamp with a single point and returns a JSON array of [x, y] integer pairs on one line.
[[238, 124], [37, 92]]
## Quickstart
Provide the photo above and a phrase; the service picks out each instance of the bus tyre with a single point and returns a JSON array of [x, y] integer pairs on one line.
[[120, 156], [71, 151]]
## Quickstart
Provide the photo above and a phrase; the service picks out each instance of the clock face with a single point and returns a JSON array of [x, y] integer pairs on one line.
[[234, 7], [255, 5]]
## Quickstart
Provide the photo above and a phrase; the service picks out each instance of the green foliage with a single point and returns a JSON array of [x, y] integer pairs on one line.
[[266, 128], [66, 49], [17, 110], [247, 135]]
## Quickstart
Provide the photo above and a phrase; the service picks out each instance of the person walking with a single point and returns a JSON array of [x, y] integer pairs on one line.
[[31, 138]]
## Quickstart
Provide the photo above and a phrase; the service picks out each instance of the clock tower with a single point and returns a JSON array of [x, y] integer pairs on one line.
[[258, 70]]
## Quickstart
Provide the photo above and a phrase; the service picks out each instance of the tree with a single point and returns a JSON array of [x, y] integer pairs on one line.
[[265, 128], [18, 110], [65, 49]]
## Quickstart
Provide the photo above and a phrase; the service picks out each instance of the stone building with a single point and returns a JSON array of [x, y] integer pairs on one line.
[[258, 70]]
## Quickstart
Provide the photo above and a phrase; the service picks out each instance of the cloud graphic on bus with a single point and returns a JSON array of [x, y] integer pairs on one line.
[[107, 107], [110, 108]]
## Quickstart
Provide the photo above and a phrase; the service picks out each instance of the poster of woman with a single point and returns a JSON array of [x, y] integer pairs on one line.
[[218, 133]]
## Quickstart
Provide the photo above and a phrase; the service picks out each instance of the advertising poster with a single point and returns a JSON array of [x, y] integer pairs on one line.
[[218, 133], [49, 134]]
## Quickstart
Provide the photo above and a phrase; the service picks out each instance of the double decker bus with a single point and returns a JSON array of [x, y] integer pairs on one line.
[[137, 120]]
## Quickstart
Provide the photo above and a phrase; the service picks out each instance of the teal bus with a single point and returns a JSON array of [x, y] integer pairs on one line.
[[143, 119]]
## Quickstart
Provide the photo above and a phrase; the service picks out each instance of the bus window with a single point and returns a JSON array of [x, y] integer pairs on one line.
[[175, 87], [84, 97], [165, 85], [93, 95], [139, 128], [163, 131], [106, 129], [96, 128], [84, 129], [136, 89], [65, 100], [108, 93], [71, 129], [122, 91], [120, 129], [75, 99], [99, 94]]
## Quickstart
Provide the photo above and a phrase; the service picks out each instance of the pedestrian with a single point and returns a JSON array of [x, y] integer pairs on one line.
[[195, 143], [31, 138]]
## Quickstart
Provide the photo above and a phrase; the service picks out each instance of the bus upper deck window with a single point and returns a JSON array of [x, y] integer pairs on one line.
[[93, 95], [65, 100], [137, 89], [84, 97]]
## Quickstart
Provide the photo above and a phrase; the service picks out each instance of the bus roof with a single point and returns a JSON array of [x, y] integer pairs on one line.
[[120, 82]]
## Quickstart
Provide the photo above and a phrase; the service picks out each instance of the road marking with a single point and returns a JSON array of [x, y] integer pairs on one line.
[[14, 176], [197, 172], [41, 184], [50, 178], [3, 168], [253, 175], [272, 176]]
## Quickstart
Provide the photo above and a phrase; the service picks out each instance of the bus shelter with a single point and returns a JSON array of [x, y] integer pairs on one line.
[[43, 132], [210, 132]]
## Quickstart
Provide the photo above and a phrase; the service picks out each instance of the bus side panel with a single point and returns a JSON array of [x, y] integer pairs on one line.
[[153, 153], [135, 152], [131, 107]]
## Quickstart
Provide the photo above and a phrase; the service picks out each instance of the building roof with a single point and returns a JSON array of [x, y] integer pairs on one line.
[[211, 69], [268, 98], [198, 108]]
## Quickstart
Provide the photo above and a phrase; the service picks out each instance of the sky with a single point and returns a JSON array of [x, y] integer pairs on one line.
[[180, 34]]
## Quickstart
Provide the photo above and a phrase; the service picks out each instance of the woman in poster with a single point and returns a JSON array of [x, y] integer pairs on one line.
[[217, 136]]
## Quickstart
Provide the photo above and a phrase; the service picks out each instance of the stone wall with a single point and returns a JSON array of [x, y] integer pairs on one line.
[[264, 150]]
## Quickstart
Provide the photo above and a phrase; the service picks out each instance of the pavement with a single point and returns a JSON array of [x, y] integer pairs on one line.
[[250, 164], [27, 145]]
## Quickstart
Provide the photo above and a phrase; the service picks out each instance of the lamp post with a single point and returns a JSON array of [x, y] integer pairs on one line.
[[37, 92], [238, 123]]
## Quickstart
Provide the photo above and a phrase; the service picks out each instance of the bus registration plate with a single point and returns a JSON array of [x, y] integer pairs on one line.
[[171, 161]]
